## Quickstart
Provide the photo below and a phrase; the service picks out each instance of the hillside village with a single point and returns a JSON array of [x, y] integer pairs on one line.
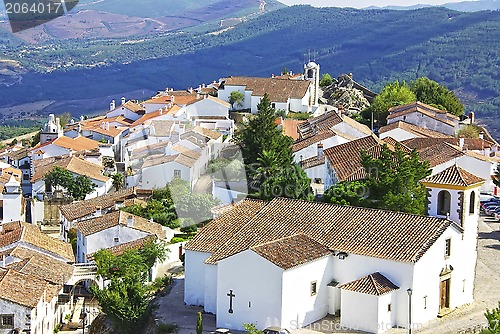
[[286, 262]]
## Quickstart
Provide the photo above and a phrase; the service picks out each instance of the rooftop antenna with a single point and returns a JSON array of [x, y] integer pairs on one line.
[[309, 56]]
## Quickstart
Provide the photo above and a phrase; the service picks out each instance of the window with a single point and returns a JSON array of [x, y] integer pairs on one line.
[[425, 302], [444, 201], [177, 173], [313, 288], [6, 321], [273, 105], [447, 248], [388, 307], [117, 239], [26, 177], [472, 203]]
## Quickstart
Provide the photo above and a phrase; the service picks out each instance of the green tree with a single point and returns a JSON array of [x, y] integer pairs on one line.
[[326, 80], [432, 93], [126, 298], [392, 183], [236, 97], [493, 317], [284, 71], [78, 187], [117, 180], [64, 119], [262, 134], [251, 329], [286, 181], [393, 94], [199, 324]]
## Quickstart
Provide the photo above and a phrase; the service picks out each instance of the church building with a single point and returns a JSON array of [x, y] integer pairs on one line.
[[289, 263]]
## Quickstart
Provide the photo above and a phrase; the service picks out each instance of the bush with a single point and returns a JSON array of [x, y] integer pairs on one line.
[[299, 115], [189, 229], [176, 240], [166, 328]]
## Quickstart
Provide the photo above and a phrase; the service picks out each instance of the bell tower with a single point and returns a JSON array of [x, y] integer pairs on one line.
[[311, 73], [51, 130], [454, 194]]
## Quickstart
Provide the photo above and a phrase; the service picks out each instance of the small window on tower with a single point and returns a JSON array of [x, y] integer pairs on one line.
[[313, 288], [117, 239], [447, 248]]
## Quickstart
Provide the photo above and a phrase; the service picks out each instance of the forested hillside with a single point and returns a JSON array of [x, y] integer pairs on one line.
[[460, 50]]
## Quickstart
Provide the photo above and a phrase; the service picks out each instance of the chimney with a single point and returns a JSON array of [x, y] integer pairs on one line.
[[107, 126], [461, 141], [103, 125], [123, 100], [472, 117], [172, 98], [112, 105], [130, 221], [58, 122], [272, 76], [487, 151], [481, 135], [2, 264], [190, 89], [320, 151], [82, 118], [197, 96], [79, 128], [98, 211]]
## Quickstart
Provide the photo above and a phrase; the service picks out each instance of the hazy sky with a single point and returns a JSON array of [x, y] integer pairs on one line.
[[364, 3]]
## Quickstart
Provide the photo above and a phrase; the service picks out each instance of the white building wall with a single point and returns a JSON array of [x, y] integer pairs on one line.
[[312, 150], [300, 308], [401, 274], [21, 314], [386, 318], [427, 278], [349, 130], [194, 283], [316, 172], [206, 107], [256, 284], [398, 134], [359, 311], [210, 300], [122, 111], [158, 176], [105, 239], [224, 94], [425, 121], [12, 207]]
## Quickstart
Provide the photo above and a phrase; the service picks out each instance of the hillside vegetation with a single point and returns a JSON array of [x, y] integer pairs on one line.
[[459, 50]]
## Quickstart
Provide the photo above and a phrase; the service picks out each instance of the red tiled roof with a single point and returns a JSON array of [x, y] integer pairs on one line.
[[454, 175], [414, 129], [376, 233], [373, 284], [291, 251]]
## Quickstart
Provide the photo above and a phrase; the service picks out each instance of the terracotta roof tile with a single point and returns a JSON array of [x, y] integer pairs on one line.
[[440, 153], [373, 284], [278, 90], [31, 234], [207, 132], [39, 265], [292, 251], [423, 109], [376, 233], [101, 223], [81, 209], [25, 290], [120, 249], [312, 162], [345, 158], [76, 144], [315, 125], [72, 163], [414, 129], [454, 175]]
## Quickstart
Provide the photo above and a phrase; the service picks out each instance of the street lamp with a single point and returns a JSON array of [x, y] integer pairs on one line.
[[409, 291]]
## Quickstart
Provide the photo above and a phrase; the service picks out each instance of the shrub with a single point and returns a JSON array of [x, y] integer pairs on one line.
[[166, 328], [176, 240]]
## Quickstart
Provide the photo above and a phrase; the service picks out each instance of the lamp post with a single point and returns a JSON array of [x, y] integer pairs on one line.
[[409, 291]]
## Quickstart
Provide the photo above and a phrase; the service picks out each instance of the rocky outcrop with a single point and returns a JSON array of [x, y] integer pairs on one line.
[[348, 94]]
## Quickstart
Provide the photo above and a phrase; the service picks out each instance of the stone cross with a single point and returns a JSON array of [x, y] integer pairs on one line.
[[231, 296]]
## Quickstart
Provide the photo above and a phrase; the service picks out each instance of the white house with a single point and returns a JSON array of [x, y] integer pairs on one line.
[[111, 230], [77, 167], [82, 210], [12, 201], [63, 146], [424, 116], [288, 93], [21, 160], [128, 109], [288, 263], [402, 130]]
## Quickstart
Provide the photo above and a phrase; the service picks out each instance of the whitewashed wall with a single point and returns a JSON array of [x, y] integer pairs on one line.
[[398, 134], [194, 283], [257, 285], [425, 121], [359, 311], [297, 302]]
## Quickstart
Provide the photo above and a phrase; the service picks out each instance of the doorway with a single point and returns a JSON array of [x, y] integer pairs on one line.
[[444, 294]]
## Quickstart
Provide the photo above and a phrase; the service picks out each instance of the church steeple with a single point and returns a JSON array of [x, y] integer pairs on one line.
[[51, 130], [311, 73]]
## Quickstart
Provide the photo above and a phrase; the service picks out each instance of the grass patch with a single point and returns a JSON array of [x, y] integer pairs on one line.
[[163, 328]]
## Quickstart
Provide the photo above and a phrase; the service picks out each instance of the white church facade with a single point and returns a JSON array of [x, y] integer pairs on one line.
[[289, 263]]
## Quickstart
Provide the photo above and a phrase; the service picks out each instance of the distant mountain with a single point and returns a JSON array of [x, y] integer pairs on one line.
[[464, 6], [460, 50]]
